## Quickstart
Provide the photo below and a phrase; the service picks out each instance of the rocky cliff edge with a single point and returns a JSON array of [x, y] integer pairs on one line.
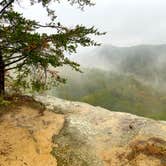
[[78, 134]]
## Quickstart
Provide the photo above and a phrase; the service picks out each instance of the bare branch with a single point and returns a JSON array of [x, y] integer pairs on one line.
[[52, 26], [2, 2], [6, 6], [11, 68], [19, 56], [10, 63], [17, 66]]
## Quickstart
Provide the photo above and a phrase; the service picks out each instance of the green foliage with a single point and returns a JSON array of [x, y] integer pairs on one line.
[[3, 102], [33, 56]]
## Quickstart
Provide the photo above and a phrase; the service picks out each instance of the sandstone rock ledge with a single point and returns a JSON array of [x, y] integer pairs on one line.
[[26, 137], [93, 136], [78, 134]]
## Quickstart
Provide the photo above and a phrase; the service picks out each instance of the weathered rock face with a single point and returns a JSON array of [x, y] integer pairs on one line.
[[93, 136], [78, 134], [26, 137]]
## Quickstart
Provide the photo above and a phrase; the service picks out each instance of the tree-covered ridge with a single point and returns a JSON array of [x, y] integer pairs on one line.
[[113, 91], [146, 62], [32, 55]]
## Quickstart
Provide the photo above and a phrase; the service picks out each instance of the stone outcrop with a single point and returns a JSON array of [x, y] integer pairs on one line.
[[93, 136], [78, 134], [26, 137]]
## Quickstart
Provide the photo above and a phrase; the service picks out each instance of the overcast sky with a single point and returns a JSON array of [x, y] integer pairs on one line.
[[127, 22]]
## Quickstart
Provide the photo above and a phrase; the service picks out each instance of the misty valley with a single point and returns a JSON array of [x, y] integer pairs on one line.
[[122, 79]]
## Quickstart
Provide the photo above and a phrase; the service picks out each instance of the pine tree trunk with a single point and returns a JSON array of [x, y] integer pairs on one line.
[[2, 76]]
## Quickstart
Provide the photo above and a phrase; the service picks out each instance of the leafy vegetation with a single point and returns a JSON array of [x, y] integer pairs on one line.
[[32, 56]]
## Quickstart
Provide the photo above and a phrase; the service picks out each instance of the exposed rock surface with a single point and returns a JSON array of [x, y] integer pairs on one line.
[[26, 137], [78, 134], [93, 136]]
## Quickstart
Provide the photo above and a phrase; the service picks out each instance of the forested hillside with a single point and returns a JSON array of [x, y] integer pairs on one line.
[[146, 62], [129, 79], [113, 91]]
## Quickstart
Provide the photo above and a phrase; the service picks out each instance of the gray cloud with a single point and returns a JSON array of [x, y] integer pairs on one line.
[[128, 22]]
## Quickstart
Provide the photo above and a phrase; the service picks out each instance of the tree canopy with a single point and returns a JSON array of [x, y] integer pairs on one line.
[[31, 56]]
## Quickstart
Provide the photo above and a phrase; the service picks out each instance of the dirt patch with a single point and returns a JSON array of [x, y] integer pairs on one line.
[[26, 136]]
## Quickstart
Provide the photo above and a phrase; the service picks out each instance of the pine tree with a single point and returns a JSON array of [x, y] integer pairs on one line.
[[32, 57]]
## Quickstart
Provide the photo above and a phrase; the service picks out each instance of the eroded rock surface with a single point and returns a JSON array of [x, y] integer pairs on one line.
[[78, 134], [93, 136], [26, 137]]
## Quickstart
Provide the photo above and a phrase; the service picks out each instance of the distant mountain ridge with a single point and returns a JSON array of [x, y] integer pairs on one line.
[[147, 62], [133, 80]]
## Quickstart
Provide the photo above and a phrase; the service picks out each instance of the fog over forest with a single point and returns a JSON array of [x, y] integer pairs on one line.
[[145, 62], [127, 79]]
